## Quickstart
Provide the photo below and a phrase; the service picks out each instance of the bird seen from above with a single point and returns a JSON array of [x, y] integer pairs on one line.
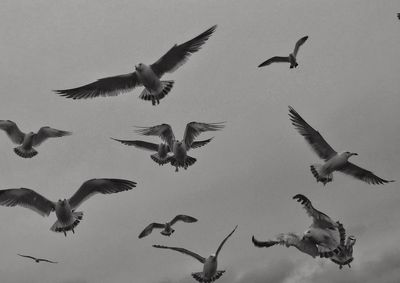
[[38, 260], [67, 217], [210, 271], [292, 58], [333, 161], [179, 150], [322, 238], [161, 156], [144, 75], [28, 141], [167, 227]]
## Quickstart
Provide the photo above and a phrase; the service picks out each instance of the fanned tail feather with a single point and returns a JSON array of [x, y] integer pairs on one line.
[[166, 87], [200, 277], [161, 161], [316, 171], [61, 228], [189, 161], [24, 152]]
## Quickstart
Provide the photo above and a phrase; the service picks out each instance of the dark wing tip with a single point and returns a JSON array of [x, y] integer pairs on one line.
[[301, 198]]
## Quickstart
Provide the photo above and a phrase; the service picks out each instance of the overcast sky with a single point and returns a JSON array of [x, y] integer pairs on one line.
[[346, 86]]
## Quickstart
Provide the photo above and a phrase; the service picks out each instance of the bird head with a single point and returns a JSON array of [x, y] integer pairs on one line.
[[348, 154], [139, 67], [307, 235]]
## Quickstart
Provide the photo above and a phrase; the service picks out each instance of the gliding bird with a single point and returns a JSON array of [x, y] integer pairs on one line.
[[67, 217], [167, 227], [210, 265], [333, 161], [37, 259], [144, 75]]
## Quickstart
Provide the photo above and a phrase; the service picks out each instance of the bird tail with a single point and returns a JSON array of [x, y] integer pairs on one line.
[[166, 87], [200, 277], [59, 227], [161, 161], [189, 161], [25, 153], [316, 171]]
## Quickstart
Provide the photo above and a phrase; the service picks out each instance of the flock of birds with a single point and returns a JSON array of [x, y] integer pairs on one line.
[[324, 238]]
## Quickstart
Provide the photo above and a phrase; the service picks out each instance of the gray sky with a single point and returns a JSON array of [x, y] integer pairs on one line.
[[346, 86]]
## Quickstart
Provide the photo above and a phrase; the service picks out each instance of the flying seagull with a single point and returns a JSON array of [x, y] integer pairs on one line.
[[167, 227], [37, 259], [289, 59], [144, 75], [333, 161], [180, 148], [345, 256], [161, 156], [67, 217], [30, 140], [210, 264], [321, 239]]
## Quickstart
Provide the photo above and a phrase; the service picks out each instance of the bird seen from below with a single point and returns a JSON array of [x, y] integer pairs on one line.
[[167, 227], [67, 217], [179, 150], [28, 141], [38, 260], [333, 161], [292, 58], [144, 75], [210, 271]]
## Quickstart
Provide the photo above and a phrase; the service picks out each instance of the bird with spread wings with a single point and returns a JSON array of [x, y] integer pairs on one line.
[[144, 75], [67, 217], [37, 260], [29, 140], [333, 161], [167, 227]]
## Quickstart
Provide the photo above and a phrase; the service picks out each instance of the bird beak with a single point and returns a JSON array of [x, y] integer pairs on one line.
[[354, 153]]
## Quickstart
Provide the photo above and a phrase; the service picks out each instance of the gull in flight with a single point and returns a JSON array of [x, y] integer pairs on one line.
[[333, 161], [67, 217], [321, 239], [161, 156], [37, 259], [167, 227], [210, 272], [144, 75], [345, 256], [180, 148], [30, 140], [289, 59]]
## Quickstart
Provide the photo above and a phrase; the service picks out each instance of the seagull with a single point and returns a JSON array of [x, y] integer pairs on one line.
[[167, 227], [333, 161], [29, 140], [67, 217], [180, 148], [161, 156], [289, 59], [321, 239], [37, 259], [345, 256], [210, 264], [144, 75]]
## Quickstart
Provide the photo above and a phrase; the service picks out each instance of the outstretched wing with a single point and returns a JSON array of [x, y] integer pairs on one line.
[[27, 256], [193, 129], [184, 218], [12, 130], [184, 251], [164, 131], [313, 137], [179, 54], [320, 219], [276, 59], [150, 228], [362, 174], [197, 144], [223, 242], [102, 186], [289, 240], [46, 260], [298, 44], [45, 133], [139, 144], [27, 198], [109, 86]]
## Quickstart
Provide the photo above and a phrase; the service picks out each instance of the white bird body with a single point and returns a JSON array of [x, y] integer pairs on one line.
[[323, 237], [148, 78], [210, 266]]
